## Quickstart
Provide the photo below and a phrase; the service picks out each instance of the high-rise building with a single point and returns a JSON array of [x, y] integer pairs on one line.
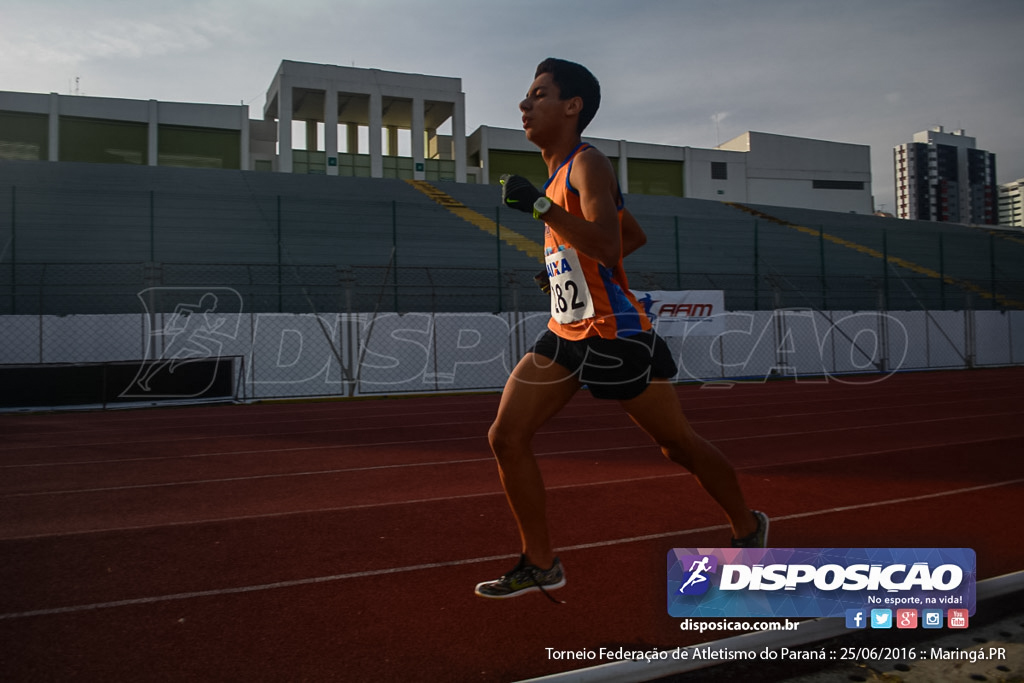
[[942, 176], [1011, 203]]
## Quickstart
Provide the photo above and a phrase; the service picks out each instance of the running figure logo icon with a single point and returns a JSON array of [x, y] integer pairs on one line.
[[696, 581]]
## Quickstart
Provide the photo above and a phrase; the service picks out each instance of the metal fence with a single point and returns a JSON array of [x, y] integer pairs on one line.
[[106, 288], [326, 351]]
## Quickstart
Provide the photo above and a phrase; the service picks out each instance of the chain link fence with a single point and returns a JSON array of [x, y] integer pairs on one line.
[[341, 332], [101, 288]]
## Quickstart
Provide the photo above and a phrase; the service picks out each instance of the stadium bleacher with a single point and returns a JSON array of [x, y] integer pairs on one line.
[[86, 238]]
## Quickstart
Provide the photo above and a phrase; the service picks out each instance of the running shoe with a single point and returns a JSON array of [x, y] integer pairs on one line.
[[757, 538], [524, 578]]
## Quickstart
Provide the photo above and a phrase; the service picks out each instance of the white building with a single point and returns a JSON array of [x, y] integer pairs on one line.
[[1011, 204], [349, 98], [813, 174], [106, 130], [755, 168], [333, 120]]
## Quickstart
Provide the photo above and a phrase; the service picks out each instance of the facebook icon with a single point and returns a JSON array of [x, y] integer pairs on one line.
[[856, 618]]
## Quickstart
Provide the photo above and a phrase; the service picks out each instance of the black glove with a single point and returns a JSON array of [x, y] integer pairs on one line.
[[519, 193]]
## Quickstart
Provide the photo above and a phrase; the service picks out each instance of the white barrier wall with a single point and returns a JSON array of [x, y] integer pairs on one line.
[[289, 355]]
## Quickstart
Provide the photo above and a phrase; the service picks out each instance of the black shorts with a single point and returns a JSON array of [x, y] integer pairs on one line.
[[617, 369]]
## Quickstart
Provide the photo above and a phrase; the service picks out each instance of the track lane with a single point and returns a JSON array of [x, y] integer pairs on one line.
[[369, 628], [373, 537], [378, 587]]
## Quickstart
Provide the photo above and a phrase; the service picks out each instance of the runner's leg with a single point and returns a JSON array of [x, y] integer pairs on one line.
[[657, 411], [537, 389]]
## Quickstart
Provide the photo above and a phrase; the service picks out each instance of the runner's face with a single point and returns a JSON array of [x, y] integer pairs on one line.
[[544, 112]]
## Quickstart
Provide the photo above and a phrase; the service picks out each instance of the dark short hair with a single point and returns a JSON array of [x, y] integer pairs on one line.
[[574, 80]]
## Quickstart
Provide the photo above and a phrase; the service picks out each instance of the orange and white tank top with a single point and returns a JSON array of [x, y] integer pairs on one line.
[[587, 299]]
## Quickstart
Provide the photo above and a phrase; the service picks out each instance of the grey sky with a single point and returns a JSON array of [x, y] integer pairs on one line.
[[868, 72]]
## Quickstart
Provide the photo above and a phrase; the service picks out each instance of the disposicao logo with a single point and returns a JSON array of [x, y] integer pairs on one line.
[[696, 579], [817, 582]]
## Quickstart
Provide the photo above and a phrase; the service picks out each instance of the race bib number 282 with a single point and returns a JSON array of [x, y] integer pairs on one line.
[[570, 296]]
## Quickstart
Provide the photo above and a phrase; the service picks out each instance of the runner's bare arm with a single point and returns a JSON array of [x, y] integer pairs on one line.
[[597, 234]]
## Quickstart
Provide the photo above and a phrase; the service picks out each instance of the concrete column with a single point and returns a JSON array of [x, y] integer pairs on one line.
[[485, 157], [392, 148], [152, 141], [53, 153], [688, 165], [419, 140], [459, 136], [331, 129], [352, 138], [284, 126], [311, 144], [376, 127], [623, 166]]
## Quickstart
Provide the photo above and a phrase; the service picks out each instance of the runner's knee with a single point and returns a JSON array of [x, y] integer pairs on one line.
[[682, 449], [678, 455], [504, 440]]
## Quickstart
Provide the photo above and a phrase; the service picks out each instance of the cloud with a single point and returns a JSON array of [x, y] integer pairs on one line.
[[871, 72], [103, 37]]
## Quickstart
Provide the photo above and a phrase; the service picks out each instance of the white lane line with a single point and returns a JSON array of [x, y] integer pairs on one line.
[[252, 477], [253, 451], [438, 463], [330, 410], [314, 511], [624, 427], [563, 416], [441, 499], [476, 560]]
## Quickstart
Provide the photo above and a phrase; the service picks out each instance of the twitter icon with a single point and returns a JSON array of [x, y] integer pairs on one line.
[[881, 618]]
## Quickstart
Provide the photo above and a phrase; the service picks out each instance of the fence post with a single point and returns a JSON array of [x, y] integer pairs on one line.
[[679, 276], [942, 272], [992, 266], [394, 252], [41, 314], [885, 267], [152, 276], [152, 226], [782, 348], [280, 293], [757, 274], [14, 251], [969, 334], [821, 253], [497, 249], [882, 364], [1009, 335]]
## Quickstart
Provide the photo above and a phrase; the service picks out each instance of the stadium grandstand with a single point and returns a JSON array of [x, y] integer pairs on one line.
[[85, 239]]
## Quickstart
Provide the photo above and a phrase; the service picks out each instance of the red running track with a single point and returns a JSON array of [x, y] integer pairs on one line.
[[340, 541]]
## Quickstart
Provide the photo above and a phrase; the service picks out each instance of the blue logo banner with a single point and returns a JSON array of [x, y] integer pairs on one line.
[[818, 582]]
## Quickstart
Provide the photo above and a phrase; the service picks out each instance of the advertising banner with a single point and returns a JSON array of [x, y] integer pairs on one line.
[[683, 313]]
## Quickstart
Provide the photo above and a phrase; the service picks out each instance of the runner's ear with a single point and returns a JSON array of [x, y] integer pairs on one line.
[[573, 106]]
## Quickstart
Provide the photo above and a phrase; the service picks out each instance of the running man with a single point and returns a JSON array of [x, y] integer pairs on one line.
[[598, 334], [192, 334], [696, 570]]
